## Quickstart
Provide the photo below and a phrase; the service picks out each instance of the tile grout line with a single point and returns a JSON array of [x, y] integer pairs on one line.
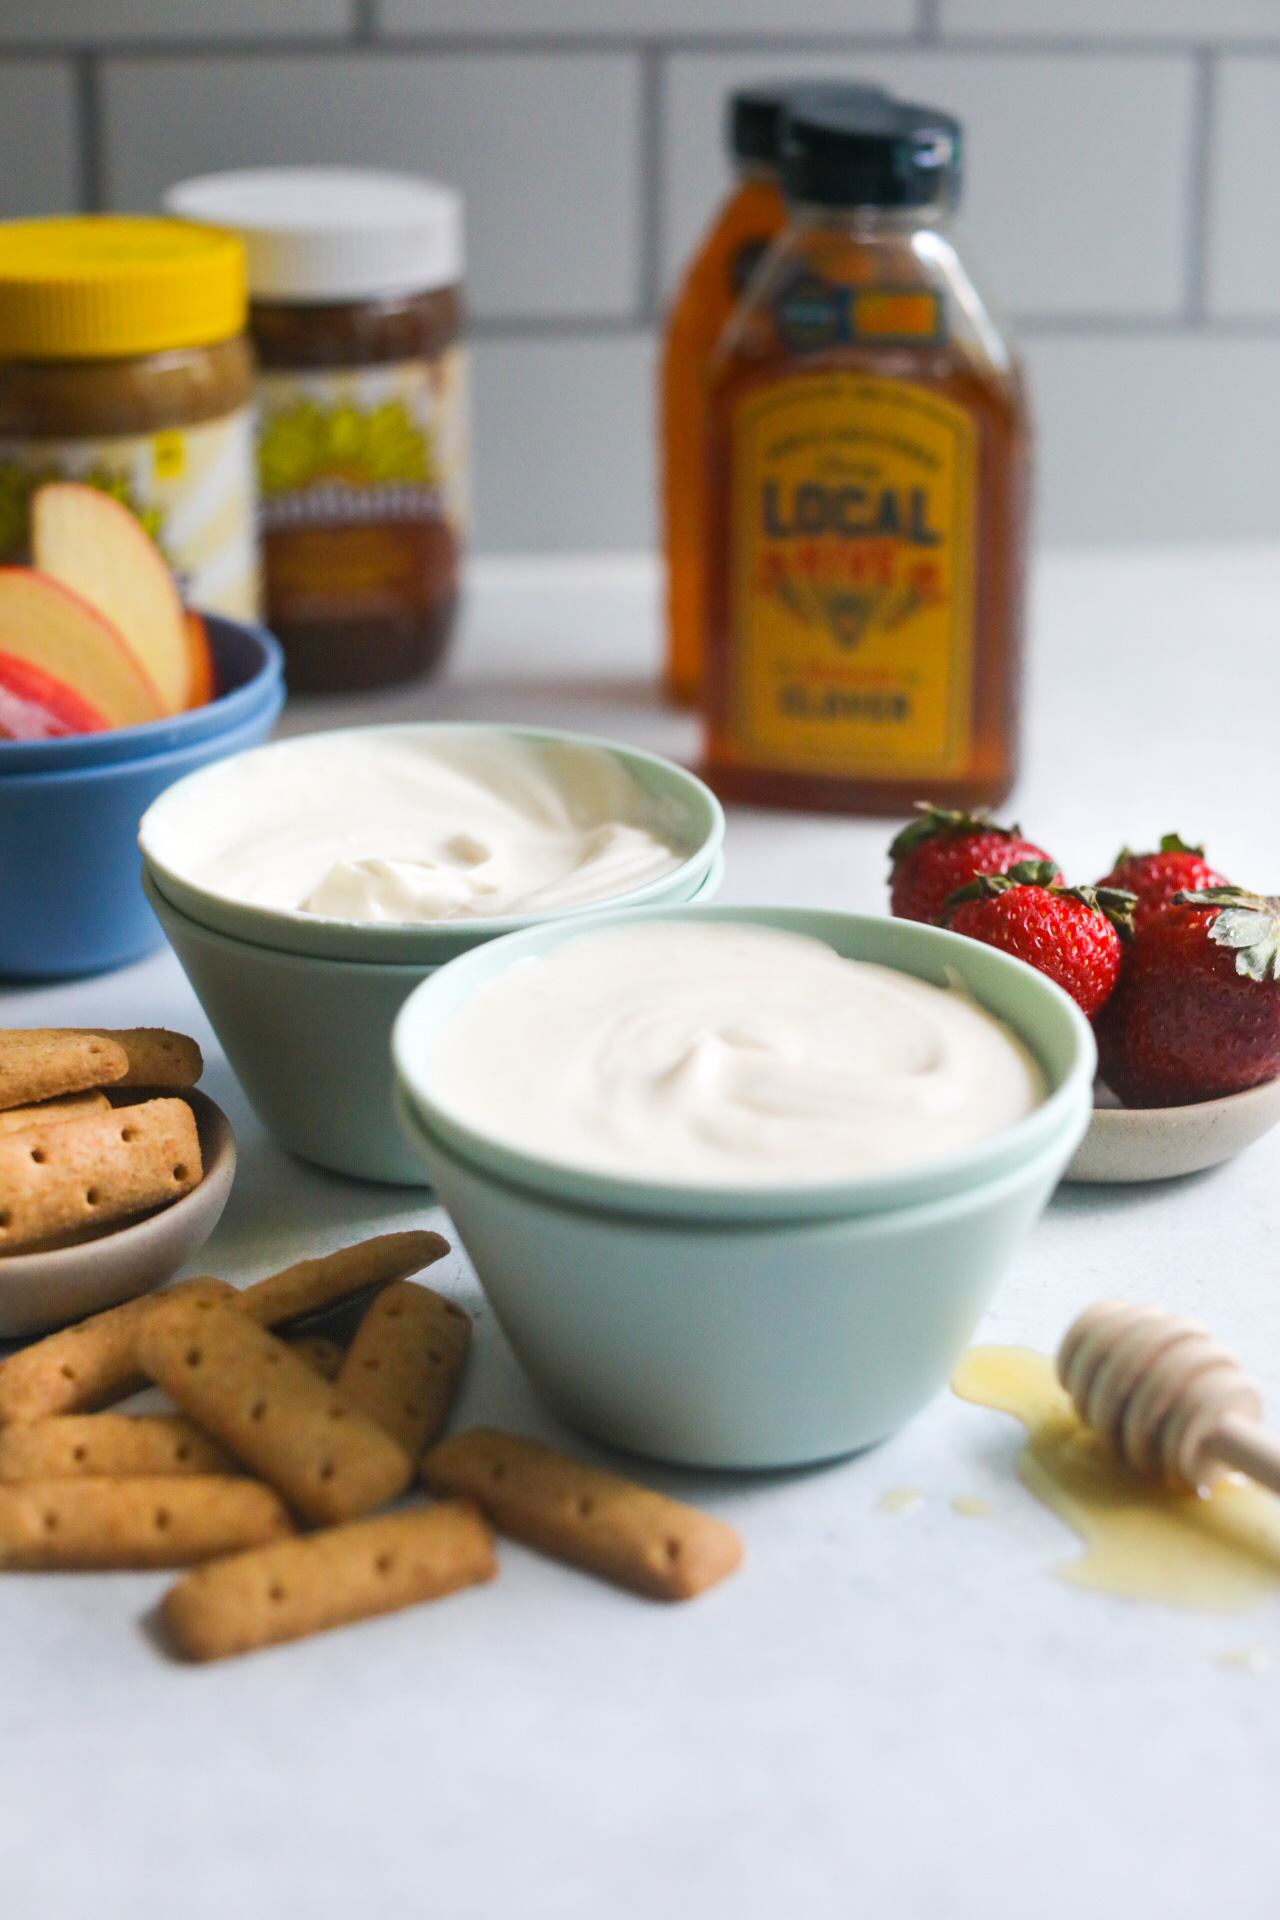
[[90, 169], [553, 327], [649, 266], [499, 329], [278, 46], [1200, 184], [1022, 46]]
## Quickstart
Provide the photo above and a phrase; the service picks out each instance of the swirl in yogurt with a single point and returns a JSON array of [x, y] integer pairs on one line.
[[719, 1054]]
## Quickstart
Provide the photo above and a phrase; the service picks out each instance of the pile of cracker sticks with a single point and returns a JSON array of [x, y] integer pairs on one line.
[[284, 1443], [72, 1163]]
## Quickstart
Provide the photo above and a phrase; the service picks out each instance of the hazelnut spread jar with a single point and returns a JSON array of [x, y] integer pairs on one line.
[[124, 364], [355, 313], [867, 464]]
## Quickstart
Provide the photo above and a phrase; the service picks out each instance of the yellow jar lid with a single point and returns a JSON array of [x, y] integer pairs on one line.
[[92, 287]]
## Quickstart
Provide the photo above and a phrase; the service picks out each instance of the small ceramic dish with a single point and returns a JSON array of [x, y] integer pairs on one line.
[[41, 1291], [310, 1040], [677, 806], [751, 1328], [1127, 1144]]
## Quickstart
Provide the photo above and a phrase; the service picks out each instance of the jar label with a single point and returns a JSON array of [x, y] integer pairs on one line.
[[344, 446], [192, 488], [852, 579], [364, 477]]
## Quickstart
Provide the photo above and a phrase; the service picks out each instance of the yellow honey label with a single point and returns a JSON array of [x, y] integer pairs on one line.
[[852, 577]]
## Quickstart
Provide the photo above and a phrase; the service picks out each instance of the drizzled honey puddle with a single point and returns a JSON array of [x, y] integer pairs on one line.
[[1219, 1551]]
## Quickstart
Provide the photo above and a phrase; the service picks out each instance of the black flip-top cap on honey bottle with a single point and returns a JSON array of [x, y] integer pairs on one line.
[[755, 124], [858, 147], [757, 114]]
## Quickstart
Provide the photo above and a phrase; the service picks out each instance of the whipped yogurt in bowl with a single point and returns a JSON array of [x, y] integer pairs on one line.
[[718, 1053], [416, 842]]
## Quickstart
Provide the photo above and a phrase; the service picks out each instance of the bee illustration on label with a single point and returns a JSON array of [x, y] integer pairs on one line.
[[849, 558]]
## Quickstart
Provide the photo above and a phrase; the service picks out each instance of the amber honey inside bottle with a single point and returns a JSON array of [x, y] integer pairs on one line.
[[750, 218], [867, 471]]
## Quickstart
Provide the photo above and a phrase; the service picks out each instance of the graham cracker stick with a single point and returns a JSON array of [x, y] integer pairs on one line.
[[299, 1433], [593, 1519], [62, 1180], [298, 1587], [70, 1106], [88, 1365], [82, 1524], [313, 1284], [323, 1355], [405, 1362], [157, 1058], [37, 1063], [109, 1446]]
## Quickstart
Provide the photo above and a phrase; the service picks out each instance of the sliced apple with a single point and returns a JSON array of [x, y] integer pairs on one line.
[[48, 626], [89, 542], [203, 680], [35, 705]]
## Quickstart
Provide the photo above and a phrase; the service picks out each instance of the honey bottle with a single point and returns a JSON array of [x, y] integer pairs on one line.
[[733, 246], [867, 471]]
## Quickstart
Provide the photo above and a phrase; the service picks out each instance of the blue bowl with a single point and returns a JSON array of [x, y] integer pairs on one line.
[[250, 674], [70, 868]]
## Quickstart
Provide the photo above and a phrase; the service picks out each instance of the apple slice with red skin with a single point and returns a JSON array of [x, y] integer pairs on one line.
[[89, 542], [52, 628], [204, 684], [35, 705]]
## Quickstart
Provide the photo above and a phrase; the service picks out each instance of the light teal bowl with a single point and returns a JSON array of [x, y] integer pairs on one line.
[[310, 1040], [761, 1344], [719, 1328], [687, 813]]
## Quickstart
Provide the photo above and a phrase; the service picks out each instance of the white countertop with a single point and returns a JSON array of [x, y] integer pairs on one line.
[[894, 1716]]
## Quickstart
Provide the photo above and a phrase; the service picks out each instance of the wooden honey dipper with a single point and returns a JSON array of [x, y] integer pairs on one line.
[[1175, 1404]]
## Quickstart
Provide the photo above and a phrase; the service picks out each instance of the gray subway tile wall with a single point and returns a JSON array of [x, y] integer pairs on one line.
[[1244, 261], [39, 162], [782, 19], [545, 147], [1149, 436], [564, 443], [1112, 19], [1122, 196], [104, 22]]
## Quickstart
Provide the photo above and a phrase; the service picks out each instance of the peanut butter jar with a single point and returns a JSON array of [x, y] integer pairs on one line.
[[355, 313], [124, 365]]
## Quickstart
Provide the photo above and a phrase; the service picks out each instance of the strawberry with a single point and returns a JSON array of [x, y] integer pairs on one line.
[[1071, 933], [1197, 1011], [942, 851], [1156, 877]]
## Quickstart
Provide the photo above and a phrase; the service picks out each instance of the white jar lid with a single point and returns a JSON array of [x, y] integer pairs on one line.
[[332, 233]]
